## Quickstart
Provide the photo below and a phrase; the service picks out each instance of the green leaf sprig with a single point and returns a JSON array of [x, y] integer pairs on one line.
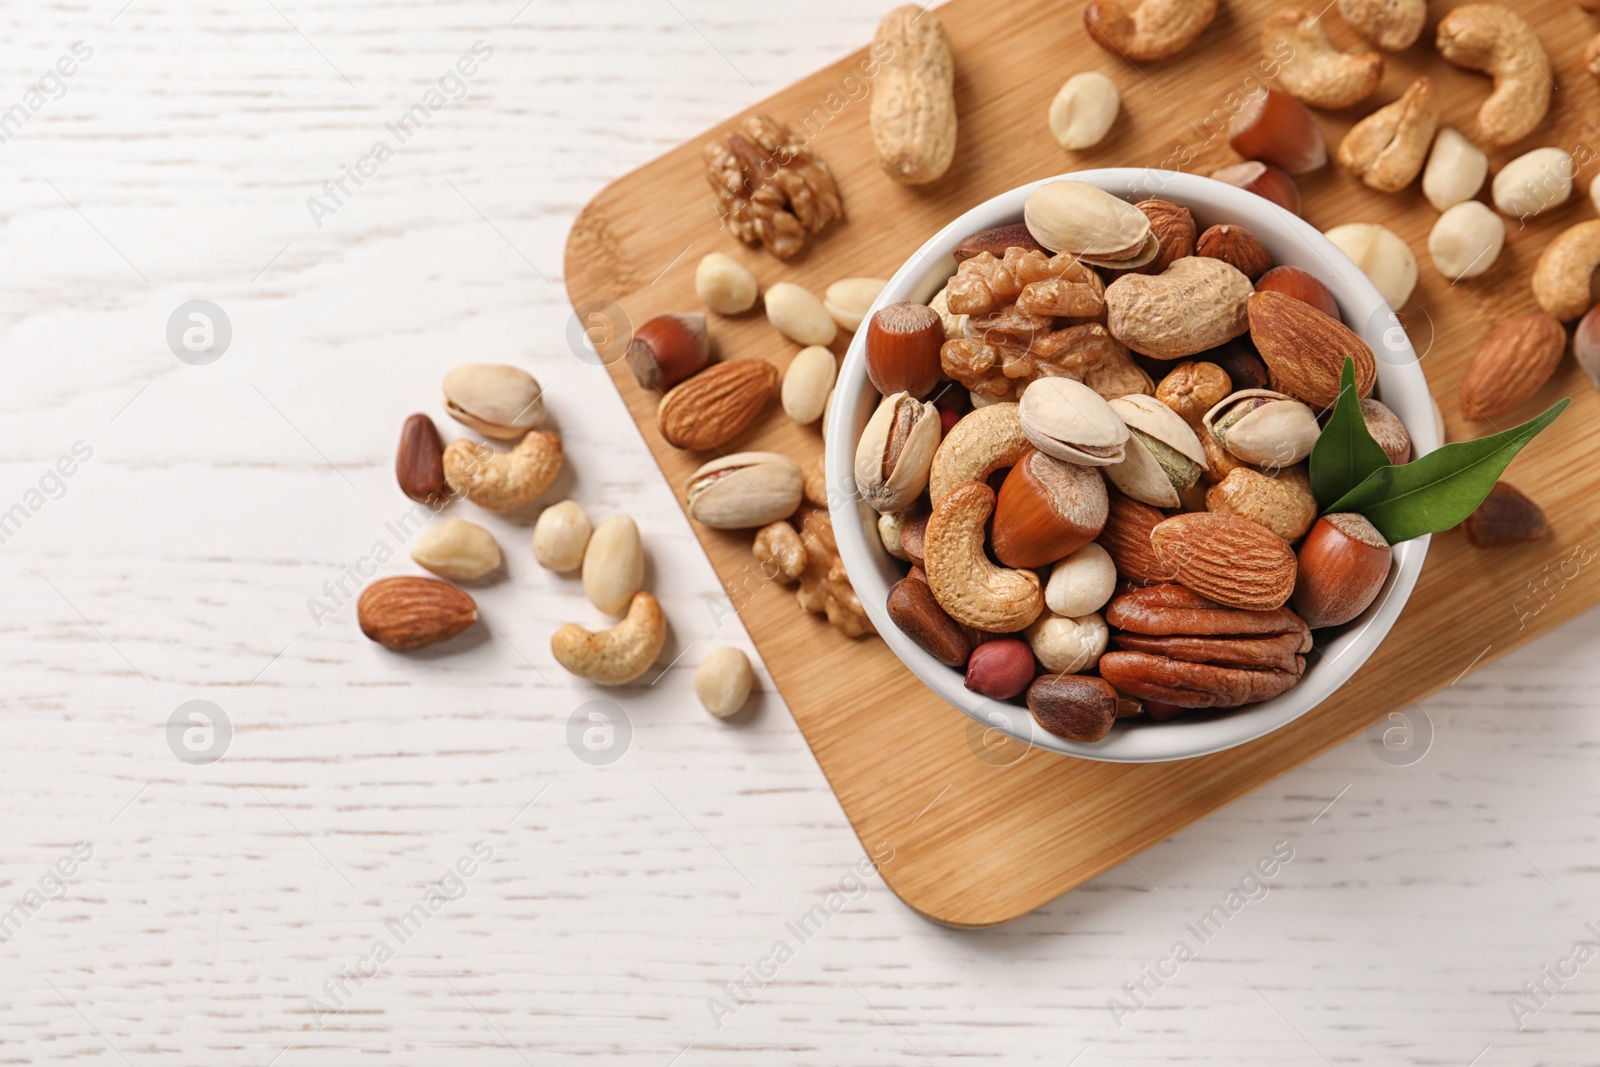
[[1345, 454], [1351, 472]]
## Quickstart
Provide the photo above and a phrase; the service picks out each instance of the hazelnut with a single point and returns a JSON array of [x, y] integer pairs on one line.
[[1275, 128], [1342, 566], [1046, 510], [668, 349], [1237, 247], [1300, 284], [903, 342], [1266, 181]]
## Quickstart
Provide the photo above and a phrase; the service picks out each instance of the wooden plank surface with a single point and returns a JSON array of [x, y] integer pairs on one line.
[[981, 837]]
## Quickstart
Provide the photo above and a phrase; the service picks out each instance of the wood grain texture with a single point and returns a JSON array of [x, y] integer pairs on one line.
[[1002, 840], [621, 900]]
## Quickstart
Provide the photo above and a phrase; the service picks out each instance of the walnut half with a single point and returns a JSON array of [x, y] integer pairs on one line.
[[774, 192]]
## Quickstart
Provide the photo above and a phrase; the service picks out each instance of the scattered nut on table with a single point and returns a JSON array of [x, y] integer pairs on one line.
[[1146, 30], [503, 481], [457, 549], [723, 682], [1455, 171], [496, 400], [613, 565], [1534, 182], [560, 537], [1388, 148], [1317, 72], [1467, 240], [616, 656], [1497, 41], [1383, 256]]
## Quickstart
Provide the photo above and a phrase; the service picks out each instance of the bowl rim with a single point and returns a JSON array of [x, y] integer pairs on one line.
[[1400, 381]]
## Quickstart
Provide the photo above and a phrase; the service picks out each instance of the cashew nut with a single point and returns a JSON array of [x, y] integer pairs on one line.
[[1561, 281], [980, 444], [1499, 42], [501, 481], [1388, 148], [1591, 57], [1317, 72], [967, 585], [1392, 25], [1154, 29], [616, 656]]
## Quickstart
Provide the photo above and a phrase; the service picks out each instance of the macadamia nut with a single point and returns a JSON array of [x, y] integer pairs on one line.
[[723, 682], [1383, 256], [1083, 112], [1456, 170], [1068, 645], [560, 536], [1466, 240], [725, 285], [1082, 583]]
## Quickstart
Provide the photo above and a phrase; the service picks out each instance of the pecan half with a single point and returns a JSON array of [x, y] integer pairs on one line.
[[1173, 609], [1192, 685], [1282, 652]]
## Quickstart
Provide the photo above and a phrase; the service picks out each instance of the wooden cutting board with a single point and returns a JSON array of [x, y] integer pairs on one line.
[[972, 835]]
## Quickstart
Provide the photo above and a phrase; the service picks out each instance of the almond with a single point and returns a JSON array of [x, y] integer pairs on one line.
[[1226, 559], [1516, 359], [1237, 246], [716, 405], [406, 613], [1305, 350], [1126, 538]]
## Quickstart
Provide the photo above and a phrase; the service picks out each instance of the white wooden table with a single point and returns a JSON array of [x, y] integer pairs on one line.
[[300, 900]]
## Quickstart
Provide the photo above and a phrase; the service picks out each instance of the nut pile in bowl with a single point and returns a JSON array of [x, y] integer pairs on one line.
[[1096, 450]]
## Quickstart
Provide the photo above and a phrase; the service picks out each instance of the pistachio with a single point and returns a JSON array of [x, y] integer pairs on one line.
[[895, 453], [1263, 428], [745, 490], [494, 399], [1073, 423], [1164, 457], [1091, 224]]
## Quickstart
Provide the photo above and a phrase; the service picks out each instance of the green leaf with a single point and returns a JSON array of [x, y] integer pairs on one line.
[[1345, 454], [1442, 488]]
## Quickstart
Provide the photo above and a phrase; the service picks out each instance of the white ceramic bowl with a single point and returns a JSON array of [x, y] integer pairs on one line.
[[1291, 241]]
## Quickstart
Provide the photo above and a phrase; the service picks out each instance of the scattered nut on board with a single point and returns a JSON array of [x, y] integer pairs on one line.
[[1467, 240], [724, 285], [913, 111], [1084, 110]]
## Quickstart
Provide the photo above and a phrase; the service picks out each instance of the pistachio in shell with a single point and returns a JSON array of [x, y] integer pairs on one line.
[[495, 399], [1164, 457], [1263, 428]]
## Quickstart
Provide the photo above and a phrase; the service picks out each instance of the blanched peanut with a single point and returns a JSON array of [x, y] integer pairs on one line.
[[1085, 109], [807, 383], [1456, 170], [613, 565]]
